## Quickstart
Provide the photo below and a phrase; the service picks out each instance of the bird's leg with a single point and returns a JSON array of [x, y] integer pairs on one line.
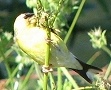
[[47, 69]]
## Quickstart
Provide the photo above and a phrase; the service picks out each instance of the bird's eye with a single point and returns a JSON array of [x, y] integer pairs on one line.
[[27, 15]]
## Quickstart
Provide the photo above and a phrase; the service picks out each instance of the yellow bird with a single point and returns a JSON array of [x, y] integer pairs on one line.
[[32, 40]]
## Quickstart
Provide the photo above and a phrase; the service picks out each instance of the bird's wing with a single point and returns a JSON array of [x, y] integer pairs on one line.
[[61, 56]]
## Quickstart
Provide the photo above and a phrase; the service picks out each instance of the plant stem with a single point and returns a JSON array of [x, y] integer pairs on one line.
[[6, 63], [107, 50], [12, 75], [56, 13], [86, 88], [52, 83], [38, 71], [74, 21], [6, 54], [91, 60], [47, 56], [66, 39], [108, 71], [45, 81], [48, 47], [59, 79], [69, 77], [109, 67], [7, 66], [52, 24], [27, 77]]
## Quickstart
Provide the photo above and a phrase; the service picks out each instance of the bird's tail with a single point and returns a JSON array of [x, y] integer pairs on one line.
[[87, 71]]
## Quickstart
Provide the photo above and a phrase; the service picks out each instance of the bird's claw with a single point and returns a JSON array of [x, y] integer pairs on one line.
[[46, 69], [48, 40]]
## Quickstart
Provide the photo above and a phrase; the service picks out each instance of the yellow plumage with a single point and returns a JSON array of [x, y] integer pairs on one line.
[[32, 40]]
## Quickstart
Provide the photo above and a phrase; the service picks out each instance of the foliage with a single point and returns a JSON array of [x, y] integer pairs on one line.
[[98, 40], [16, 61]]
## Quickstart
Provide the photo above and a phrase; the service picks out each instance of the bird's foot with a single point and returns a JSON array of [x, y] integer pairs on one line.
[[47, 69], [48, 40]]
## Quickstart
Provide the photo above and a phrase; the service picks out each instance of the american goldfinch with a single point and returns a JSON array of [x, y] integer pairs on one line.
[[32, 40]]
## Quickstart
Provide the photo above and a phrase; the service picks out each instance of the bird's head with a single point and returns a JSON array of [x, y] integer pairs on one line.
[[24, 21]]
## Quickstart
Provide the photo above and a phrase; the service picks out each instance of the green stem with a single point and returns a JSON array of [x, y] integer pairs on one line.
[[12, 75], [47, 56], [52, 24], [56, 13], [38, 71], [86, 88], [6, 63], [107, 71], [109, 67], [6, 54], [9, 73], [74, 21], [40, 75], [66, 39], [27, 77], [69, 77], [48, 47], [107, 50], [17, 80], [52, 83], [59, 79], [7, 66], [91, 60], [45, 81]]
